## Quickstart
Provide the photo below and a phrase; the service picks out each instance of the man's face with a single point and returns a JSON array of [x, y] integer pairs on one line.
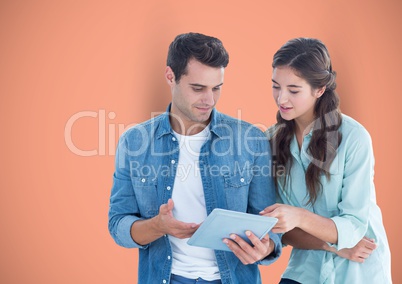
[[194, 97]]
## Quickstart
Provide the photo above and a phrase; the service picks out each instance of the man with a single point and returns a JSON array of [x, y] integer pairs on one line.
[[173, 170]]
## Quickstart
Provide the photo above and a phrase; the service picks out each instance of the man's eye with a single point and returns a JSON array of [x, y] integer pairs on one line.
[[216, 88], [197, 89], [275, 87]]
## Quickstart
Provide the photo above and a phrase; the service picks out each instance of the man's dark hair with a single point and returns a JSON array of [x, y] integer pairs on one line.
[[205, 49]]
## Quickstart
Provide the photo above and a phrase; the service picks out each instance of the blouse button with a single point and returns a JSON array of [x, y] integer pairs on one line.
[[242, 180], [143, 180], [168, 188], [173, 161]]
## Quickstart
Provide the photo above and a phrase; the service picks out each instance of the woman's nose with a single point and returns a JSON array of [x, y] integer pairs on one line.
[[282, 98]]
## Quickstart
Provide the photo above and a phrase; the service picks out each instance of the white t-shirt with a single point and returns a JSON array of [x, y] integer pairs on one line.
[[189, 206]]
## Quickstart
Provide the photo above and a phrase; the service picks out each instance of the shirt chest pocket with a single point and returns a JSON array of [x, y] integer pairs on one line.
[[236, 187], [146, 194]]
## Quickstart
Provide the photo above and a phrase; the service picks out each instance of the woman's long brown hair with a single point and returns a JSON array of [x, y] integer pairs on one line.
[[310, 60]]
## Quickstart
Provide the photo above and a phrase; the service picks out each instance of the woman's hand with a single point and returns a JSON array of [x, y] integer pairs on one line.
[[289, 217], [360, 252]]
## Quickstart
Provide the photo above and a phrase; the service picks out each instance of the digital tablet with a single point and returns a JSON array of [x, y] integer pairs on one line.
[[222, 223]]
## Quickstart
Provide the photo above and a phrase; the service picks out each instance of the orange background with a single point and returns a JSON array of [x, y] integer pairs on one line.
[[61, 58]]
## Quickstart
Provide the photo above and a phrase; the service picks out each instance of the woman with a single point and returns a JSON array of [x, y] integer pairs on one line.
[[323, 168]]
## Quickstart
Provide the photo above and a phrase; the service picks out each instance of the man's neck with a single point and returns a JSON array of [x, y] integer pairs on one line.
[[188, 128]]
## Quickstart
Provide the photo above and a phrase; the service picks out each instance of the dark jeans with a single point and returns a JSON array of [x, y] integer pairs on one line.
[[176, 279], [288, 281]]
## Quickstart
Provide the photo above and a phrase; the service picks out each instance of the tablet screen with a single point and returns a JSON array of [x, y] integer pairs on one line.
[[222, 223]]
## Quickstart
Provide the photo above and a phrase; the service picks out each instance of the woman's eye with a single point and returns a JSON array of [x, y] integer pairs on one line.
[[293, 92], [275, 87]]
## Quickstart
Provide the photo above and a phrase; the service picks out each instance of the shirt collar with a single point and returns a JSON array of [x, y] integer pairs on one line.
[[215, 126]]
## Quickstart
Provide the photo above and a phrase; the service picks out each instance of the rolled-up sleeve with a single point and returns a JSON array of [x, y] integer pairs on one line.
[[357, 187], [123, 209], [277, 250]]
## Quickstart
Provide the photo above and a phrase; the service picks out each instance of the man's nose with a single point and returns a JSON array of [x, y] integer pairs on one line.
[[208, 98]]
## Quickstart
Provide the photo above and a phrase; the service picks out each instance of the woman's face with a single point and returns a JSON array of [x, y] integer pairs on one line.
[[294, 96]]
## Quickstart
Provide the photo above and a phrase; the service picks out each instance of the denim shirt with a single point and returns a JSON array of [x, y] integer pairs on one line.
[[234, 165]]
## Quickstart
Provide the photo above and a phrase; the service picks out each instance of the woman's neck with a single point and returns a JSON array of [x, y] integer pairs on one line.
[[303, 127]]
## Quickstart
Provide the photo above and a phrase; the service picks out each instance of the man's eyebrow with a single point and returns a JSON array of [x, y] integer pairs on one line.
[[203, 86], [197, 85]]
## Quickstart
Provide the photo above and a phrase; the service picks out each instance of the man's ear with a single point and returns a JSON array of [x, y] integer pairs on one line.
[[169, 75]]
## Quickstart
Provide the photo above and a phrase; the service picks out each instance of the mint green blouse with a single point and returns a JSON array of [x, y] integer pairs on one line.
[[349, 199]]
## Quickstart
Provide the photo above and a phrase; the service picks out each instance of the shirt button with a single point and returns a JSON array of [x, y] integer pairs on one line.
[[242, 179], [143, 180], [173, 161], [164, 281], [174, 138], [168, 256], [168, 188]]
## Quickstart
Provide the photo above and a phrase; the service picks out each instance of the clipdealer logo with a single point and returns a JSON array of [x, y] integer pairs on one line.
[[108, 133]]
